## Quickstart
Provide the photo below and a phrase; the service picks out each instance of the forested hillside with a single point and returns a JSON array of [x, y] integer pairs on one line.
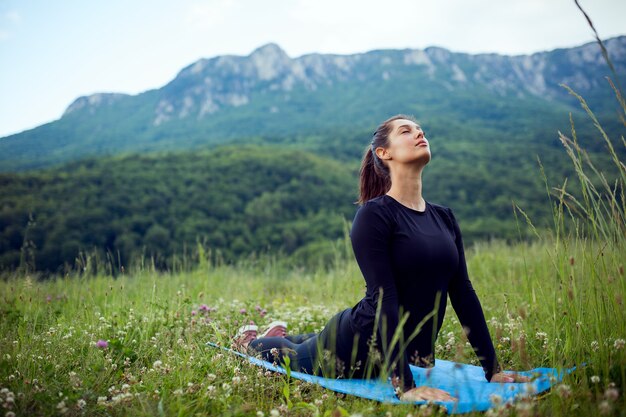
[[247, 199], [239, 200]]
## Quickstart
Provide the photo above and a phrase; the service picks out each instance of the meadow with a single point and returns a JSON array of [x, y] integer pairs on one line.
[[135, 344]]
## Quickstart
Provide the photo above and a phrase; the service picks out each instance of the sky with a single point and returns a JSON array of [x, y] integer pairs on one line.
[[52, 52]]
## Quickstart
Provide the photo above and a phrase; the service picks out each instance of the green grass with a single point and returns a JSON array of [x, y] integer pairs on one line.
[[546, 305]]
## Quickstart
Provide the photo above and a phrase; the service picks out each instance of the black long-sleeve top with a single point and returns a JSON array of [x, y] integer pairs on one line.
[[412, 256]]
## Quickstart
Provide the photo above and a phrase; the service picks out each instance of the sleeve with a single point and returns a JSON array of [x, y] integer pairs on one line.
[[370, 236], [467, 307]]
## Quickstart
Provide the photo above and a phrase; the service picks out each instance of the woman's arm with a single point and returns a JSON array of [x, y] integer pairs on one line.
[[370, 236], [468, 309]]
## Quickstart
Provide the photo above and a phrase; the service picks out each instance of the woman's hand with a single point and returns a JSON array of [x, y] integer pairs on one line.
[[509, 377], [426, 394]]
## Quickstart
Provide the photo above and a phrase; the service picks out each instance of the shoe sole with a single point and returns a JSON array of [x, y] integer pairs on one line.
[[272, 325], [246, 328]]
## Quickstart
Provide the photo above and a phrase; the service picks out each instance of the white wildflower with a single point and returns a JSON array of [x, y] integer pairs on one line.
[[530, 388], [604, 408], [564, 390], [611, 394], [62, 407], [495, 399]]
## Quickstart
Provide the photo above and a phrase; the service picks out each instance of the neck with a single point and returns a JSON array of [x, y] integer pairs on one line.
[[406, 186]]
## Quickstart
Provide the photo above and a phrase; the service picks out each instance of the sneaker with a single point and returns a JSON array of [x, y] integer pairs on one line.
[[244, 336], [276, 329]]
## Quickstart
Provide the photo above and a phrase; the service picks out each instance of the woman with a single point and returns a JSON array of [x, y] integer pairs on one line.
[[411, 255]]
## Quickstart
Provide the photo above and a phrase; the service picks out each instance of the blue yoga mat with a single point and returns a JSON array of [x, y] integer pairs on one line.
[[465, 382]]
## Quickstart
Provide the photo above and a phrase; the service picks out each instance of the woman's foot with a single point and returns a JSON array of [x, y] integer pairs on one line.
[[244, 336], [424, 393], [275, 329]]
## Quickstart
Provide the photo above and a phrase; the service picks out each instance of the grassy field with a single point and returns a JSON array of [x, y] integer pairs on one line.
[[546, 305]]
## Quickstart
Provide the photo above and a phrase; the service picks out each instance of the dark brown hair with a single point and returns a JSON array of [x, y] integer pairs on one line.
[[375, 179]]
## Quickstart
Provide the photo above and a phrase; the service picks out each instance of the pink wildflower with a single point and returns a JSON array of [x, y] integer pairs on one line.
[[102, 344]]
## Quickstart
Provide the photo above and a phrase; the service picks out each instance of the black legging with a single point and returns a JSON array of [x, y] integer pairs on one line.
[[334, 352]]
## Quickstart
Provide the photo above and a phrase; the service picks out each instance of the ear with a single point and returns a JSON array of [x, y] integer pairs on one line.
[[382, 153]]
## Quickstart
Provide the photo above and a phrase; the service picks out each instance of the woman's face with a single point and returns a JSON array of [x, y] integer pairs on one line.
[[407, 143]]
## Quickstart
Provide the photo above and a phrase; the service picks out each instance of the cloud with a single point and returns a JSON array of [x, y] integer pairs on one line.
[[9, 20], [13, 16]]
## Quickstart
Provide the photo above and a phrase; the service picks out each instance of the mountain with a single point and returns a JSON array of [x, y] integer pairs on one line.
[[269, 97]]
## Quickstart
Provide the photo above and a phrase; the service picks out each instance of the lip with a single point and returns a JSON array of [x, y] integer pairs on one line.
[[422, 142]]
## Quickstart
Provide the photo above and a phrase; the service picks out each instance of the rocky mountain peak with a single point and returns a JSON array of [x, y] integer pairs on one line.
[[93, 101], [269, 61], [209, 85], [269, 50], [208, 100]]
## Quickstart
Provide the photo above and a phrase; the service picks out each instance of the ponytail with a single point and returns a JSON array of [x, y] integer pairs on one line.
[[374, 176], [375, 179]]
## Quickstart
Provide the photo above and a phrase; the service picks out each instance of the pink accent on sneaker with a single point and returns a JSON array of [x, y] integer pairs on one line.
[[244, 336], [276, 329]]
